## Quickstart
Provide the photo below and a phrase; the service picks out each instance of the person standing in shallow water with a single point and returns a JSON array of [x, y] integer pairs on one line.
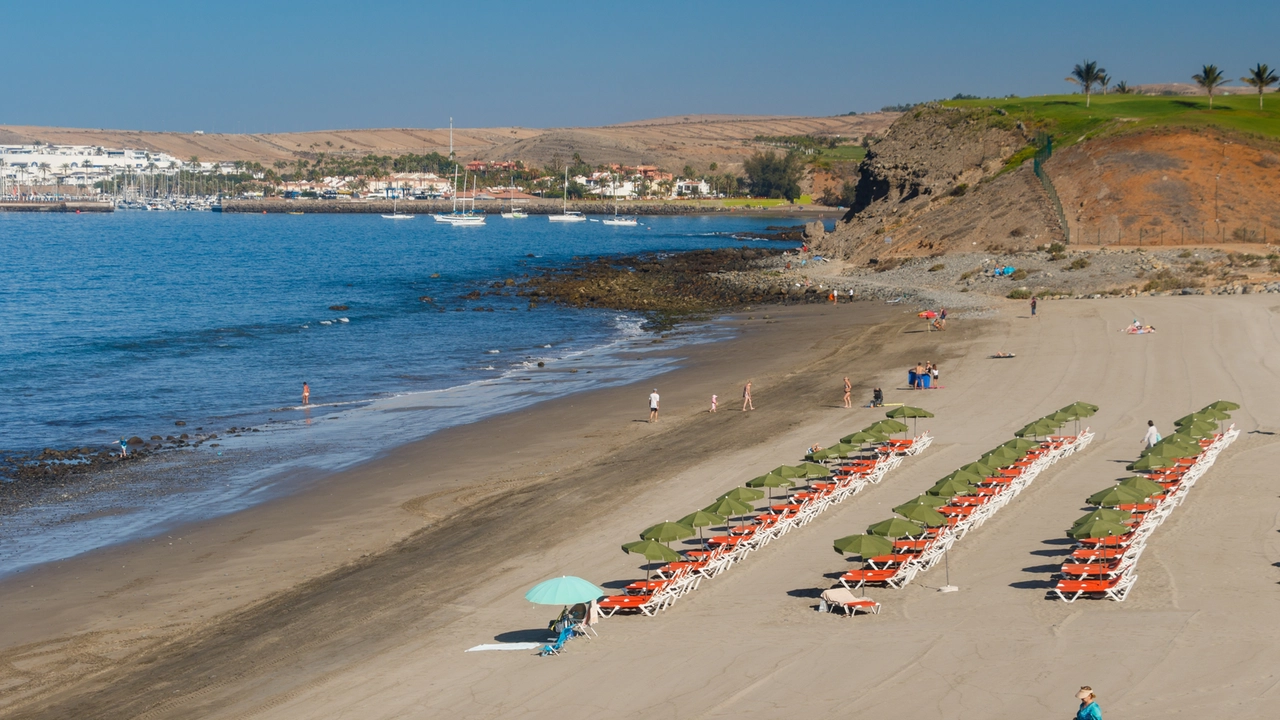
[[1089, 709], [306, 393], [746, 398]]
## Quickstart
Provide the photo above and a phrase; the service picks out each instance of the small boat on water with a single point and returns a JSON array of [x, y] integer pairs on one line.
[[464, 218], [395, 212], [621, 221], [513, 213], [567, 215]]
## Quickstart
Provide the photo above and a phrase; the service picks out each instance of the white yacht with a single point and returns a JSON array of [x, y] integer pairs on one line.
[[567, 215], [622, 221], [395, 212]]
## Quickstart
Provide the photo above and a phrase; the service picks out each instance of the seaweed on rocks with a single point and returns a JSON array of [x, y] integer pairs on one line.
[[660, 284]]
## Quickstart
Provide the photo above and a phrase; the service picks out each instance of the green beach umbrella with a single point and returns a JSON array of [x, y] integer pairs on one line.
[[923, 514], [1172, 450], [1099, 529], [1206, 415], [787, 471], [564, 590], [1021, 444], [866, 546], [1000, 457], [1142, 485], [1199, 429], [814, 470], [1060, 417], [820, 455], [665, 532], [742, 495], [1223, 405], [651, 550], [864, 436], [700, 519], [887, 427], [843, 449], [729, 507], [1038, 428], [1117, 495], [964, 476], [1151, 462], [770, 481], [933, 501], [895, 528], [980, 469], [1108, 514], [949, 487], [906, 411], [1085, 406]]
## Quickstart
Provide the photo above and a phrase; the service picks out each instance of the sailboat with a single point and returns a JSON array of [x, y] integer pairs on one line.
[[625, 220], [395, 212], [460, 218], [513, 213], [567, 215]]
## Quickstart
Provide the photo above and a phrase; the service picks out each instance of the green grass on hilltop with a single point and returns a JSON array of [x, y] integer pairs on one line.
[[1069, 121]]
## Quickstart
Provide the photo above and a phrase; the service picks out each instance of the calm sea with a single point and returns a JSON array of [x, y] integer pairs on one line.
[[124, 323]]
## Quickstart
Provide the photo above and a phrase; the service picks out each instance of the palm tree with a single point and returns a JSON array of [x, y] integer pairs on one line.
[[1086, 75], [1261, 77], [1209, 78], [1104, 80], [1122, 88]]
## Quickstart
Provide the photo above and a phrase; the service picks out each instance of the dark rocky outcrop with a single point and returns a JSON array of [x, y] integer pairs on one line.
[[938, 182]]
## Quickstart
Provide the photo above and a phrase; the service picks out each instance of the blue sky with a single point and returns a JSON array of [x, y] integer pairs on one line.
[[269, 66]]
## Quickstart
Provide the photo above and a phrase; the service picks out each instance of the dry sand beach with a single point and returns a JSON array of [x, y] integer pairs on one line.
[[357, 598]]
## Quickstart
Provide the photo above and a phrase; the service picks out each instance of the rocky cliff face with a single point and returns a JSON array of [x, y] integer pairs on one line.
[[934, 184]]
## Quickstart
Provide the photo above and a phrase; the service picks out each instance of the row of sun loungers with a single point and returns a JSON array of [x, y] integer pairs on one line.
[[792, 510], [958, 504], [965, 512], [1105, 567]]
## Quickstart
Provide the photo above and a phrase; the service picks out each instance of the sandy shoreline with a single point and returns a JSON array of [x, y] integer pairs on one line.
[[382, 636]]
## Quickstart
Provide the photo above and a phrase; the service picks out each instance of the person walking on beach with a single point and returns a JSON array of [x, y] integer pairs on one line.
[[1033, 306], [306, 393], [124, 447], [848, 388], [746, 398], [653, 405], [1153, 435], [1089, 709], [713, 403]]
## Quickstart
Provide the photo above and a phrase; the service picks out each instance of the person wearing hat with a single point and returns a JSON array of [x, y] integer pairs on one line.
[[653, 405], [1089, 709]]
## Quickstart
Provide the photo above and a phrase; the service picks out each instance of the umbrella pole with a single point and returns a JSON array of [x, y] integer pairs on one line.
[[946, 558]]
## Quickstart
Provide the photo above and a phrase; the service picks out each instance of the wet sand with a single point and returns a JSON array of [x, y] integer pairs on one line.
[[267, 613]]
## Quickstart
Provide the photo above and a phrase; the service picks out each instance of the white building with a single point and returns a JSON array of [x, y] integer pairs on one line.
[[692, 188]]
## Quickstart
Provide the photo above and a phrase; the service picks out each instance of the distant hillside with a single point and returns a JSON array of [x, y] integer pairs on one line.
[[1127, 170], [671, 142]]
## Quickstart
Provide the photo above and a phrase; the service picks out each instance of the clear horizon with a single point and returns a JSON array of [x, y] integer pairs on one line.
[[260, 68]]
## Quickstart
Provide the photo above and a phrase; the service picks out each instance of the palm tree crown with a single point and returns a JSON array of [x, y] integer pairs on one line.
[[1261, 77], [1209, 78], [1086, 75]]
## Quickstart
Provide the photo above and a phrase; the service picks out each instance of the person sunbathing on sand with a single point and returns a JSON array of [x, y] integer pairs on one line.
[[1003, 354]]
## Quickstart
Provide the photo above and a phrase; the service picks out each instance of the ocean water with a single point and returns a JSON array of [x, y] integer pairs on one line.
[[121, 324]]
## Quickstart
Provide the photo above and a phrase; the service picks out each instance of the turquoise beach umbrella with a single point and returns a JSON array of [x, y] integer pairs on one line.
[[564, 590]]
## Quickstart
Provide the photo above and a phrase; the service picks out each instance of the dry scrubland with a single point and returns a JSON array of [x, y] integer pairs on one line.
[[669, 142]]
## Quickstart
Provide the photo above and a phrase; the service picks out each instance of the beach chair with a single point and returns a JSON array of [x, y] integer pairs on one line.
[[648, 605], [1115, 588], [558, 645], [868, 576], [851, 604]]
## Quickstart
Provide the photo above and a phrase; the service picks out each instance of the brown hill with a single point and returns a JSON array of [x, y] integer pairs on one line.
[[941, 181], [668, 142]]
